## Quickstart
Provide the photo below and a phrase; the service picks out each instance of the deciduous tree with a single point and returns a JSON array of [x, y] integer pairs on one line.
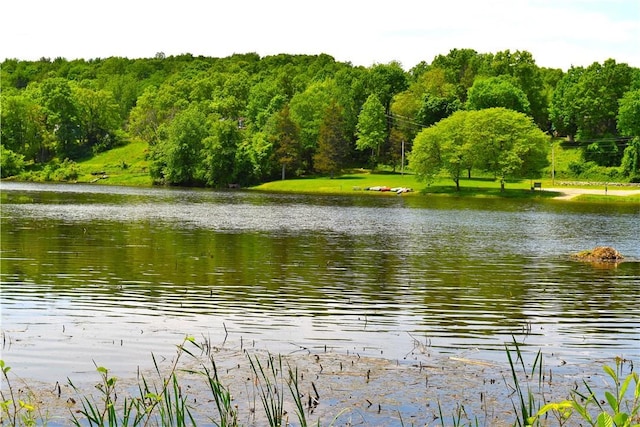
[[501, 141], [372, 128], [444, 146], [585, 105], [497, 92], [61, 111], [285, 139], [333, 146], [219, 152], [507, 143], [176, 158], [629, 125]]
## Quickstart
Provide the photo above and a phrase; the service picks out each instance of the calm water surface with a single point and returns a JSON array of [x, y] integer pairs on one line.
[[108, 275]]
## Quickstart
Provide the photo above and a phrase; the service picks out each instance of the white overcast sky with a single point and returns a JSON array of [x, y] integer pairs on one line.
[[559, 33]]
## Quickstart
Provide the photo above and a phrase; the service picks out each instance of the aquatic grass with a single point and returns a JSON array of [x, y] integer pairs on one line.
[[297, 397], [622, 411], [161, 401], [15, 410], [457, 417], [164, 406], [270, 387], [227, 412], [527, 405]]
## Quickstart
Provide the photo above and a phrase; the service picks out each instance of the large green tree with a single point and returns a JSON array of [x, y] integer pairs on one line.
[[427, 100], [24, 129], [333, 146], [629, 126], [176, 157], [435, 108], [307, 111], [99, 118], [507, 143], [285, 139], [444, 146], [218, 153], [155, 108], [527, 76], [585, 106], [62, 119], [461, 66], [503, 142], [372, 128], [497, 92]]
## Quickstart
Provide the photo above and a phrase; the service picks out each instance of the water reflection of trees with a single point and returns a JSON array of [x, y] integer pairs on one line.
[[166, 268]]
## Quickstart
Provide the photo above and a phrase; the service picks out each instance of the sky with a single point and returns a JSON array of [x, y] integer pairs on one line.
[[558, 33]]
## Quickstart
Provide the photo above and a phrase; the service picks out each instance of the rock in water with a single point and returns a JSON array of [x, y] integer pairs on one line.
[[599, 253]]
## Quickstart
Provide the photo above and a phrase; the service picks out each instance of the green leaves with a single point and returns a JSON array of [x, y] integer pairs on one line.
[[497, 140], [372, 125], [623, 410]]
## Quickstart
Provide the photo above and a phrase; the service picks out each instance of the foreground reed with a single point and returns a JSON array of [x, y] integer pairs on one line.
[[164, 399]]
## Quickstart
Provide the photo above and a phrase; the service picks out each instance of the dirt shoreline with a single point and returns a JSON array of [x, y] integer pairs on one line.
[[349, 389]]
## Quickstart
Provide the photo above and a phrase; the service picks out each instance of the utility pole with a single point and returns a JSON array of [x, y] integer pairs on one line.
[[402, 156], [553, 163]]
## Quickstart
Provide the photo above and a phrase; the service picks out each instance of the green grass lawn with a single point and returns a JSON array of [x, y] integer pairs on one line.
[[607, 199], [126, 165], [129, 165], [358, 183]]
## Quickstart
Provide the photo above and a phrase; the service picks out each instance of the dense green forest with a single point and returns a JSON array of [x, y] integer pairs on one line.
[[247, 119]]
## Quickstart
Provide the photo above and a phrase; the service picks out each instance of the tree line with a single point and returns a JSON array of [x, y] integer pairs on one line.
[[246, 119]]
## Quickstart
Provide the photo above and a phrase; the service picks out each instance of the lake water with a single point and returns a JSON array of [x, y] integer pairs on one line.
[[108, 275]]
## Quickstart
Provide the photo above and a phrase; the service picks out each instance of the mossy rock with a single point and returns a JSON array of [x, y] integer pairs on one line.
[[599, 253]]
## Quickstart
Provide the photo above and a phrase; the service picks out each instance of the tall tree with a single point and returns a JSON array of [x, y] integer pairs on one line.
[[507, 143], [629, 125], [307, 111], [428, 99], [265, 98], [444, 146], [372, 128], [176, 157], [527, 76], [219, 152], [24, 128], [285, 139], [435, 108], [501, 141], [385, 80], [99, 118], [585, 105], [497, 92], [62, 118], [333, 146], [461, 66], [154, 108]]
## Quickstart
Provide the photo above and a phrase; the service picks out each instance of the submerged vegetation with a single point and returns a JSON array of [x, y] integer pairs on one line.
[[277, 392]]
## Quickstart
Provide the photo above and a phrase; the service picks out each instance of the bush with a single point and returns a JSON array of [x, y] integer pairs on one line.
[[11, 163], [56, 171], [590, 171]]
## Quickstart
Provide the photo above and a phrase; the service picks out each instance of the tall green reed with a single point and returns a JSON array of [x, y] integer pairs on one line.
[[527, 402]]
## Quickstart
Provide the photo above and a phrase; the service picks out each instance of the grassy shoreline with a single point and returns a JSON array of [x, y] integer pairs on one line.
[[129, 166], [357, 184]]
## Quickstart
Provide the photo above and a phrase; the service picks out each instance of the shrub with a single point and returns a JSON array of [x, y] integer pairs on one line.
[[11, 163]]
